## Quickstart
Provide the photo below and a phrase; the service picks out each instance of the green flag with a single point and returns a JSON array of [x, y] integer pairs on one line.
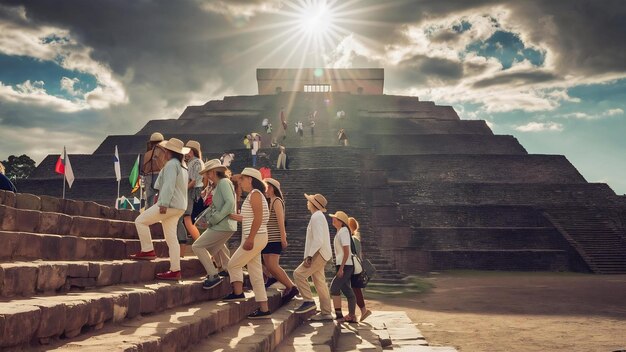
[[134, 176]]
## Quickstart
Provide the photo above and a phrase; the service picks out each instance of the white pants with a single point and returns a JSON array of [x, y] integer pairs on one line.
[[214, 243], [251, 259], [169, 221], [282, 161]]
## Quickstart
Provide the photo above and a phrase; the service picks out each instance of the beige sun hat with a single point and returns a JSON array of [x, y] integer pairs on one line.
[[252, 172], [195, 145], [213, 164], [156, 137], [341, 216], [175, 145], [273, 182], [318, 200]]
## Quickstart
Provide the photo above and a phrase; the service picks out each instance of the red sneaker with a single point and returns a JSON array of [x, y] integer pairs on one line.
[[169, 275], [143, 255]]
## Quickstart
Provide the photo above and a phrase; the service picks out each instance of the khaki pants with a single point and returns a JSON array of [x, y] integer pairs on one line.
[[169, 220], [213, 242], [316, 271], [251, 259], [282, 161]]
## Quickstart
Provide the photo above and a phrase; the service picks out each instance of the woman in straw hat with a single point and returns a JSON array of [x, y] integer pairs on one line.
[[194, 188], [254, 216], [277, 240], [153, 161], [345, 268], [356, 286], [212, 242], [317, 252], [172, 186]]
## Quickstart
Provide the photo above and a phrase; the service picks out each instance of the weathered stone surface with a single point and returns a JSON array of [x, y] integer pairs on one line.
[[51, 204], [65, 224], [113, 248], [109, 274], [27, 201], [81, 282], [100, 310], [53, 318], [120, 307], [134, 304], [88, 227], [28, 246], [91, 209], [48, 223], [81, 248], [76, 316], [130, 272], [19, 278], [67, 248], [78, 269], [51, 277], [93, 248], [9, 242], [72, 207], [7, 216], [18, 323], [130, 230], [27, 220], [116, 228]]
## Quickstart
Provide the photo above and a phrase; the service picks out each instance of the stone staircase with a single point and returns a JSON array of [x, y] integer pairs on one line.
[[596, 236]]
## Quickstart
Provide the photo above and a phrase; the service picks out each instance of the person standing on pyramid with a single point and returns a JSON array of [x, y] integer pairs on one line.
[[254, 216], [342, 282], [194, 188], [317, 252], [153, 161], [357, 286], [172, 186], [283, 121]]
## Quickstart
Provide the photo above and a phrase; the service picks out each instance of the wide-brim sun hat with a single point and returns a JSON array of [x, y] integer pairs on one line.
[[193, 144], [252, 172], [276, 185], [318, 200], [175, 145], [341, 216], [156, 137], [213, 164]]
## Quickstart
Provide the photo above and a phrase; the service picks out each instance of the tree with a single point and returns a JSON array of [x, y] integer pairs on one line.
[[18, 167]]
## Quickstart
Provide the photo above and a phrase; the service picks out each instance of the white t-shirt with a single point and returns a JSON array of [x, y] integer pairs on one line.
[[342, 238]]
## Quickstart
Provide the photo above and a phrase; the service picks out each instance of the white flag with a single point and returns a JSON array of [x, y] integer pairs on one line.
[[116, 163], [69, 173]]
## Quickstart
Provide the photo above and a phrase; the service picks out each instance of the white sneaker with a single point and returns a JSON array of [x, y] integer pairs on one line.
[[321, 317]]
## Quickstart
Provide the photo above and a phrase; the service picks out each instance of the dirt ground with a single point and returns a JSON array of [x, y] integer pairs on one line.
[[478, 311]]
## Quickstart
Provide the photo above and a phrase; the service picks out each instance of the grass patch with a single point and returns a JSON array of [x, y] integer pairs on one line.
[[413, 285]]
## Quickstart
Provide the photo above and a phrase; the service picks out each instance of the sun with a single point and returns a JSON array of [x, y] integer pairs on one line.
[[315, 19]]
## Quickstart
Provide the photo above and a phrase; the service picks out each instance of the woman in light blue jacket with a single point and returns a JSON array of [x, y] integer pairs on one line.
[[212, 242], [172, 186]]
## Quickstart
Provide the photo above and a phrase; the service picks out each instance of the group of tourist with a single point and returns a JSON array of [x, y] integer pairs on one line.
[[178, 185]]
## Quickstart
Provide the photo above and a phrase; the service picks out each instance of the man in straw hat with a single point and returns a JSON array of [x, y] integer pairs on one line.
[[172, 186], [212, 242], [317, 252], [153, 161]]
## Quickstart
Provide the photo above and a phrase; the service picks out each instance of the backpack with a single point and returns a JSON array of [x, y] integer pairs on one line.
[[154, 160]]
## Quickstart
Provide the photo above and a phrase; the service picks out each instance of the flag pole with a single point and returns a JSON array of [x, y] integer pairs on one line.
[[64, 156]]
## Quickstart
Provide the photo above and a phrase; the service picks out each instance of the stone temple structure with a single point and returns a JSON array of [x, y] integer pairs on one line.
[[431, 191]]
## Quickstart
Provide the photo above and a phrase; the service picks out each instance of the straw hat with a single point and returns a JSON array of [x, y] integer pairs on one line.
[[156, 137], [341, 216], [276, 185], [175, 145], [212, 165], [353, 224], [252, 172], [318, 200], [193, 144]]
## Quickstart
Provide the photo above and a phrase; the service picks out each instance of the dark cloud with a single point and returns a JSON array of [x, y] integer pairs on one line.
[[422, 69], [516, 79]]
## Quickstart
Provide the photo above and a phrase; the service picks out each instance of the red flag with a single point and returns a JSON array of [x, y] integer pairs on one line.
[[59, 168]]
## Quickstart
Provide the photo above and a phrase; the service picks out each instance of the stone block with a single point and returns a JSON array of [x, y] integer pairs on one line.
[[78, 269], [8, 199], [81, 282], [133, 246], [51, 277], [157, 231], [7, 216], [91, 209], [108, 213], [9, 242], [67, 248], [93, 248], [18, 323], [50, 246], [28, 246], [72, 207], [134, 304], [130, 230], [27, 220], [116, 228], [53, 319], [81, 248], [27, 201], [19, 279], [131, 272], [148, 303], [51, 204], [147, 270], [65, 224], [120, 307], [127, 215], [110, 274], [88, 227], [76, 317], [113, 248], [48, 223]]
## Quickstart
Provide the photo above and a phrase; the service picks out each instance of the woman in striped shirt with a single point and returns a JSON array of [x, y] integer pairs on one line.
[[277, 240], [254, 216]]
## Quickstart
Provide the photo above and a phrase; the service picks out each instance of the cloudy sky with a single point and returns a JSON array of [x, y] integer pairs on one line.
[[552, 73]]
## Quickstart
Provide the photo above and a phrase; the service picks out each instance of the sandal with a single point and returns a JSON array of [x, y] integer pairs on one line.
[[350, 319], [365, 315]]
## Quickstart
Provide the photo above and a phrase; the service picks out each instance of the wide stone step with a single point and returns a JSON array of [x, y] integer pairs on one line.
[[254, 335], [43, 319], [13, 219], [28, 245], [49, 277], [516, 260], [175, 329], [70, 207], [312, 336]]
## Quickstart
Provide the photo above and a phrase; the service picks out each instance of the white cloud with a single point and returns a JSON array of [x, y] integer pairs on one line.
[[613, 112], [34, 93], [67, 84], [540, 127]]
